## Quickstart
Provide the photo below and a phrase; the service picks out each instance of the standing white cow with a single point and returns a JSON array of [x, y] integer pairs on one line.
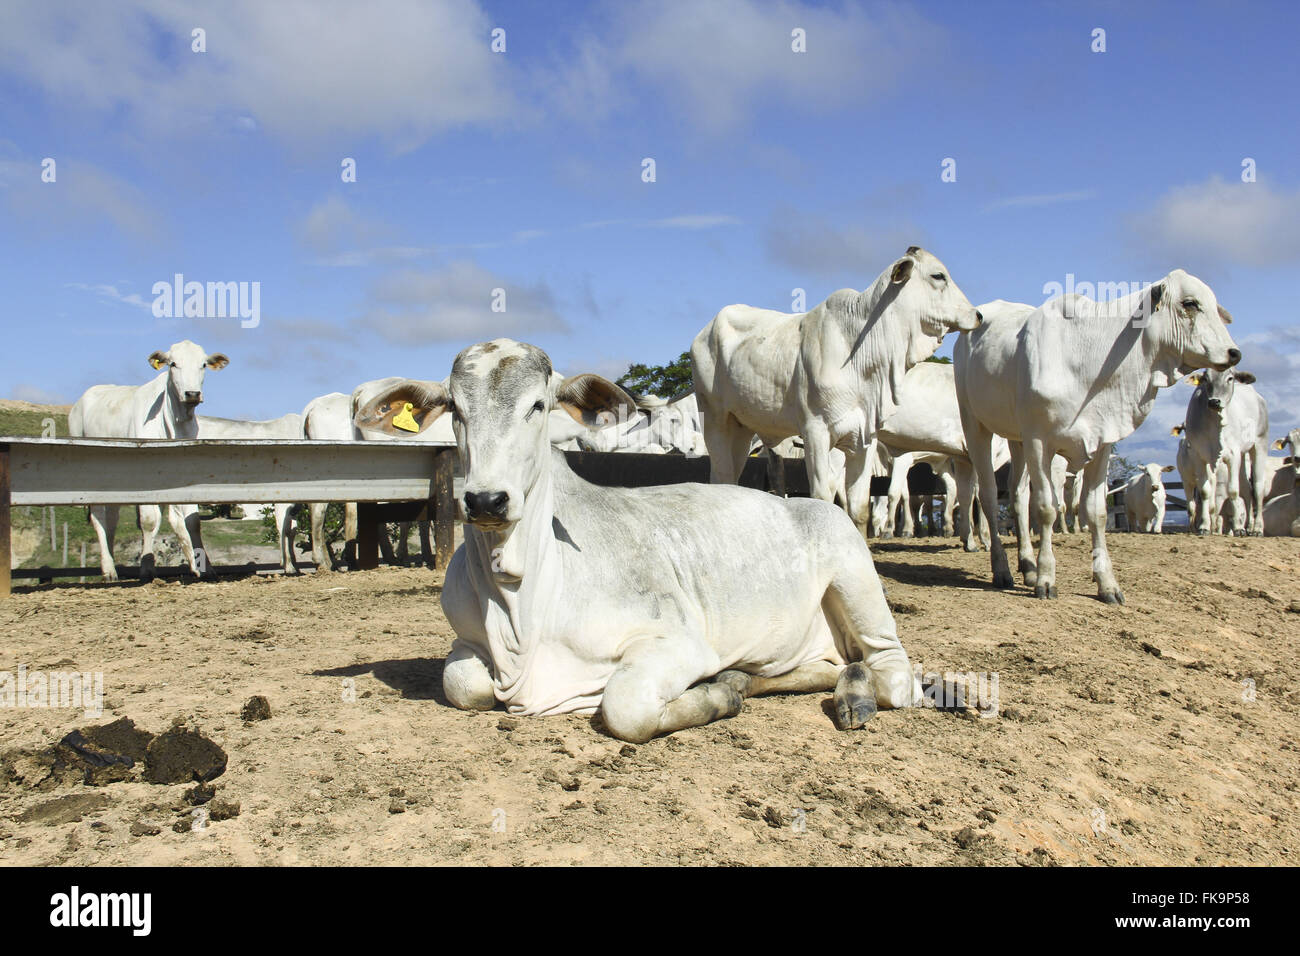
[[831, 375], [567, 597], [1073, 377], [161, 408], [330, 418], [1144, 499], [287, 427], [1227, 421], [927, 420]]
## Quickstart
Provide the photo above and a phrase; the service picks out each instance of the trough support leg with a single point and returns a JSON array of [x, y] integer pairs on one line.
[[367, 536], [4, 520], [444, 506]]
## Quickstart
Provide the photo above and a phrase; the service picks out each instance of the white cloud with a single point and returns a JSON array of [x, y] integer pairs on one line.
[[1217, 222], [1039, 199], [106, 291], [305, 71], [37, 395], [82, 194], [807, 242], [717, 62], [454, 303]]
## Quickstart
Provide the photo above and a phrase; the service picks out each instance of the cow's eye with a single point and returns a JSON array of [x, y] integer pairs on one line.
[[1190, 305], [537, 407], [938, 277]]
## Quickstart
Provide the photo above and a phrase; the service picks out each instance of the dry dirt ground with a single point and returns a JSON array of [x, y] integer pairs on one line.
[[1160, 732]]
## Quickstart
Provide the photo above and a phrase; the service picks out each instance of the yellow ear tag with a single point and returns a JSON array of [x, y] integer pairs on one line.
[[157, 364], [404, 421]]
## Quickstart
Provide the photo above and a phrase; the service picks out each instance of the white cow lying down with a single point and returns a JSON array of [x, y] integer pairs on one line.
[[567, 597]]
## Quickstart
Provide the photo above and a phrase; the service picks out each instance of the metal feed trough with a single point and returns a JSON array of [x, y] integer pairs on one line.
[[86, 471], [414, 479]]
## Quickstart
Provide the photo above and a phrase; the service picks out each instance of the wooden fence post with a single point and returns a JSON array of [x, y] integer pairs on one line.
[[4, 520], [444, 506]]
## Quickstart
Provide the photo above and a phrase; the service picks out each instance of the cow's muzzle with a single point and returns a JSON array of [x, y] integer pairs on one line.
[[193, 398], [486, 507], [1216, 404]]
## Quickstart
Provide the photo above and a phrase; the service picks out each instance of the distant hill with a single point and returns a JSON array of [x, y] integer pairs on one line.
[[26, 418]]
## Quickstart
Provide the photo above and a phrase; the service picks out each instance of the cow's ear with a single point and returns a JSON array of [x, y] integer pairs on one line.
[[218, 361], [1279, 444], [1176, 430], [1195, 379], [1157, 292], [158, 360], [585, 397], [1245, 378], [1167, 468], [403, 409], [902, 270], [1225, 315]]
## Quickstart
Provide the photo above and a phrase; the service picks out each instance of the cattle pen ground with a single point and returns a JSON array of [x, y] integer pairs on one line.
[[1164, 731]]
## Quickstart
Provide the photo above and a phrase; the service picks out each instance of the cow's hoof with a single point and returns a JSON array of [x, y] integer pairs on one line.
[[1257, 534], [1112, 597], [727, 701], [1003, 579], [970, 547], [737, 680], [109, 576], [855, 700], [1045, 591]]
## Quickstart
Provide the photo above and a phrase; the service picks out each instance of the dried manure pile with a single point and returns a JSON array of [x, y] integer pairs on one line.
[[302, 721]]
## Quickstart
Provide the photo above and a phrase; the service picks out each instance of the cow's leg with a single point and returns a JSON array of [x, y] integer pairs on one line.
[[466, 679], [184, 521], [820, 464], [1236, 509], [651, 693], [805, 679], [1094, 495], [385, 545], [403, 545], [968, 521], [426, 545], [284, 522], [1206, 510], [879, 672], [1020, 491], [1257, 486], [897, 494], [857, 488], [980, 446], [150, 520], [1038, 466], [949, 500], [320, 549], [728, 443], [103, 518], [1158, 522]]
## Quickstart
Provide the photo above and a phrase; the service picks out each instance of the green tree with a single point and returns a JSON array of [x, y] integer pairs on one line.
[[940, 359], [668, 381]]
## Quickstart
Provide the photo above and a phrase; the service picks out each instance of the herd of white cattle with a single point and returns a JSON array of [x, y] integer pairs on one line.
[[570, 597]]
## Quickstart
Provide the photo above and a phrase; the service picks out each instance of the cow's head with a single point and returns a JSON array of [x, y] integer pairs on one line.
[[500, 395], [186, 364], [1216, 387], [923, 288], [1153, 473], [1291, 438], [1190, 321]]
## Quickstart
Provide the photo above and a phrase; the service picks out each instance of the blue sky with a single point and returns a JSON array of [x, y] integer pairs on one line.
[[522, 170]]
